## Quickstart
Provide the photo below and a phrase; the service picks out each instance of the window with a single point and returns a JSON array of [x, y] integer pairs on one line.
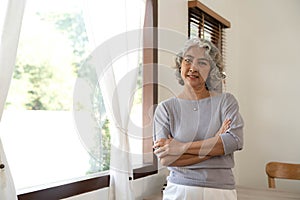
[[205, 23], [41, 141], [41, 98]]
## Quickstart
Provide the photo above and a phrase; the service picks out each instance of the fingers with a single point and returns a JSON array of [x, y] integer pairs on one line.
[[226, 124], [162, 142], [161, 147], [158, 144], [161, 152]]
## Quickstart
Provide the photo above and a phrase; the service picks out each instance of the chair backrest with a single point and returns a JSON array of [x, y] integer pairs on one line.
[[283, 171]]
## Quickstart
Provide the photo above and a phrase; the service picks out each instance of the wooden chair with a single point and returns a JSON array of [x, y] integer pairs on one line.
[[283, 171]]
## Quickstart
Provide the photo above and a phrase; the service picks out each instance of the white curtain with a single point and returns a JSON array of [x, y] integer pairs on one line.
[[114, 30], [11, 14]]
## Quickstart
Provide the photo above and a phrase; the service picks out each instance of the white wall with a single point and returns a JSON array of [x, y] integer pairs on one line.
[[263, 65], [170, 16], [268, 61]]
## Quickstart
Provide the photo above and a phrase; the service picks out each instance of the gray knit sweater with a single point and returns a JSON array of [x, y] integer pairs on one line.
[[192, 120]]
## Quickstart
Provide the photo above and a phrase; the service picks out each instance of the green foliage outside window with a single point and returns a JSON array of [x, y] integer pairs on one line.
[[43, 78]]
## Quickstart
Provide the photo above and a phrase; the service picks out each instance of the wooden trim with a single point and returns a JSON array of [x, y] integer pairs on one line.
[[67, 190], [208, 11], [150, 89], [146, 171], [150, 74]]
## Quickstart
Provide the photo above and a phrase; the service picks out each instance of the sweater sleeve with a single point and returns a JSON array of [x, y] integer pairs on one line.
[[233, 138], [161, 123]]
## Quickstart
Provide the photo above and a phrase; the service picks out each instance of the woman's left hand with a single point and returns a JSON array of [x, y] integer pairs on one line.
[[162, 142], [169, 146], [225, 126]]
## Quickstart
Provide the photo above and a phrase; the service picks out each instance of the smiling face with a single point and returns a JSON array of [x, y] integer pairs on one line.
[[195, 67]]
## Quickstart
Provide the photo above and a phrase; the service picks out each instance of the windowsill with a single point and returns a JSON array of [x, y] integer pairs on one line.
[[68, 188], [145, 170], [61, 183]]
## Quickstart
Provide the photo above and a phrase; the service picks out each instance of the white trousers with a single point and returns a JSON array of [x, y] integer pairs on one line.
[[183, 192]]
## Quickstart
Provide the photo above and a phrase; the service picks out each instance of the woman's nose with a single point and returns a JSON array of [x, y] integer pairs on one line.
[[193, 67]]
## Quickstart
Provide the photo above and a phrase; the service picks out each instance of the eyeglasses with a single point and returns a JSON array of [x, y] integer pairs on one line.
[[201, 62]]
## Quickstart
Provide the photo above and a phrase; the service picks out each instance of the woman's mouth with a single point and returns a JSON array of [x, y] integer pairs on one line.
[[192, 76]]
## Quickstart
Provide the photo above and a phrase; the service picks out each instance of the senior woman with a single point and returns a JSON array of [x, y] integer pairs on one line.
[[197, 132]]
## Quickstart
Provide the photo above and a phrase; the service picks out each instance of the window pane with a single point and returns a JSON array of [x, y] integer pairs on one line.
[[136, 120], [39, 135], [193, 30], [42, 147]]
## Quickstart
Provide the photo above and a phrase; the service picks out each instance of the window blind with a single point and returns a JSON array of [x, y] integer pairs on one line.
[[205, 23]]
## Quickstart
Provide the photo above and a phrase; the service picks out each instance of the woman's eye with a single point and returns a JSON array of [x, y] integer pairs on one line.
[[188, 61], [202, 63]]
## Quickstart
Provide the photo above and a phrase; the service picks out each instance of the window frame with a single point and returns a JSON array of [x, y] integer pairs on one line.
[[150, 91], [98, 181]]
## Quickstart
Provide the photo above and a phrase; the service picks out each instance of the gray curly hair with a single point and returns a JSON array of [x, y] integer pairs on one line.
[[212, 53]]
